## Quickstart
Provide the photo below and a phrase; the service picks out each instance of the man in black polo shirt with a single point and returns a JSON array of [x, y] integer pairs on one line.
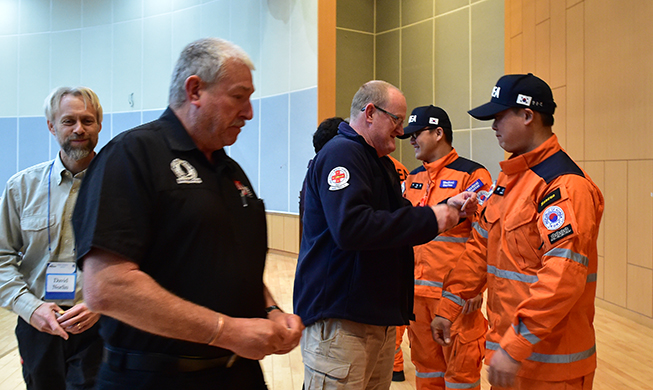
[[172, 240]]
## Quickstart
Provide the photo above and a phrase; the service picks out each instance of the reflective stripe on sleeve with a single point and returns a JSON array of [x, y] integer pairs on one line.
[[568, 254], [430, 283], [523, 330], [450, 239], [455, 298], [551, 358], [500, 273], [591, 278]]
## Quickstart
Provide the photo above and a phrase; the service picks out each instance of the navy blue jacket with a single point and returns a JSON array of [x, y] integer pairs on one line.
[[356, 257]]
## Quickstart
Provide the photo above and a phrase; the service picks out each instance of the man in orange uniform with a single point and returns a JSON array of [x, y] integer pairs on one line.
[[443, 175], [535, 246]]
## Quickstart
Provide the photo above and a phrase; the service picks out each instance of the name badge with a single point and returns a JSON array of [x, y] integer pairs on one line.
[[60, 281], [448, 183]]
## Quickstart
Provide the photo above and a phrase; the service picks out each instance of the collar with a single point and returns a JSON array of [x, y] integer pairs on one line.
[[60, 172], [436, 166], [58, 169], [345, 129], [527, 160], [176, 134], [178, 138]]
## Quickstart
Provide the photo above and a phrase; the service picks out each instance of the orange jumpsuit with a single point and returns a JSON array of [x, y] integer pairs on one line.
[[535, 246], [457, 366]]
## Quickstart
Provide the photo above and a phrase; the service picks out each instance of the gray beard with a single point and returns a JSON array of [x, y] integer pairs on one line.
[[76, 153]]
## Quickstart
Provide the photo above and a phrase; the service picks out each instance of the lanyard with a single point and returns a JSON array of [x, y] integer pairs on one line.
[[425, 198]]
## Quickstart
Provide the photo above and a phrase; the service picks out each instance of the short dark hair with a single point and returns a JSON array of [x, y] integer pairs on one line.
[[325, 131]]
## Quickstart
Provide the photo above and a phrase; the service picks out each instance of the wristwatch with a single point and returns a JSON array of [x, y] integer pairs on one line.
[[273, 307]]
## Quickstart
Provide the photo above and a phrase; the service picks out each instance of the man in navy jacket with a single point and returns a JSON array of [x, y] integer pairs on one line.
[[354, 280]]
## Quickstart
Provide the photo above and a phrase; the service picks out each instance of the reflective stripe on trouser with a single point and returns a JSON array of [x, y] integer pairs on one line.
[[430, 359], [582, 383], [341, 354], [399, 355]]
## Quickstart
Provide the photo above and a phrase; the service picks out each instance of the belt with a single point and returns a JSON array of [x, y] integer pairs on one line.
[[129, 360]]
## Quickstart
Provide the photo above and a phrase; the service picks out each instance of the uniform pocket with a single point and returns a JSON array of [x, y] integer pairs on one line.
[[523, 235]]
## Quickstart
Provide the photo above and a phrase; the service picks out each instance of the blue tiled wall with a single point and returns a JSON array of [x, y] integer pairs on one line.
[[273, 148]]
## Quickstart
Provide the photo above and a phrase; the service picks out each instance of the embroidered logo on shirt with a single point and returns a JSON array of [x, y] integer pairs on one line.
[[553, 218], [185, 172], [417, 186], [448, 183], [560, 234], [500, 190], [338, 178], [475, 186]]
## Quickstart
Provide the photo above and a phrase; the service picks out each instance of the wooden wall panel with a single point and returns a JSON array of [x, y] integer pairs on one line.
[[326, 59], [560, 115], [528, 36], [558, 44], [628, 93], [575, 83], [291, 233], [543, 53], [275, 231], [616, 241], [640, 286], [542, 10], [596, 172], [515, 21], [515, 55], [640, 214]]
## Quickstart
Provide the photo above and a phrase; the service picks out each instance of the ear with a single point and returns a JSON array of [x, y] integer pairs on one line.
[[439, 133], [369, 110], [193, 86], [51, 128], [529, 116]]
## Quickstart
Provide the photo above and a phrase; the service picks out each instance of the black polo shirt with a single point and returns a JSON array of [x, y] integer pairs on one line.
[[197, 228]]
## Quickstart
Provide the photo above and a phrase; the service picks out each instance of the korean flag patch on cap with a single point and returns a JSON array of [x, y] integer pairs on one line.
[[338, 178]]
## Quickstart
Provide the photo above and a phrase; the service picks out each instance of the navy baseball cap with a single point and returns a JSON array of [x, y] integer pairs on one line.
[[517, 90], [426, 116]]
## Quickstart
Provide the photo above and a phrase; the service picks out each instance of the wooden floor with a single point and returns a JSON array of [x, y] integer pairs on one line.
[[625, 348]]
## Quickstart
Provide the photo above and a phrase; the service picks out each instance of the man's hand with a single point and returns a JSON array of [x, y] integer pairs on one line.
[[44, 320], [441, 330], [473, 304], [255, 338], [465, 202], [503, 369], [294, 326], [447, 216], [78, 319]]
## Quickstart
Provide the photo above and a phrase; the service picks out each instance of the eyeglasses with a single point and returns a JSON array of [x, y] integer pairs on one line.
[[416, 134], [395, 119]]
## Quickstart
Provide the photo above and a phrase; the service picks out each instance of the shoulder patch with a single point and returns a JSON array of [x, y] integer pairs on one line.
[[548, 199], [560, 234], [553, 218], [475, 186], [338, 178]]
